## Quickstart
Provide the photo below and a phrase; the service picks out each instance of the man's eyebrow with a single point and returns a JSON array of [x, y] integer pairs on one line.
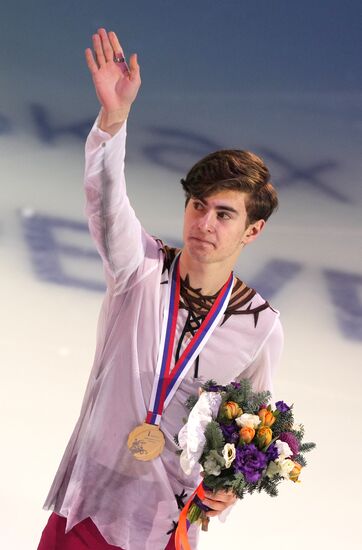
[[220, 206], [227, 208]]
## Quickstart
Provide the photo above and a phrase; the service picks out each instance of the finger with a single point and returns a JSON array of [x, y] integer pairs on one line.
[[134, 67], [106, 45], [220, 496], [117, 48], [215, 505], [92, 65], [97, 46], [212, 514]]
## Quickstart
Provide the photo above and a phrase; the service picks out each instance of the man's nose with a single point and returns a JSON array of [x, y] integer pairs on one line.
[[206, 222]]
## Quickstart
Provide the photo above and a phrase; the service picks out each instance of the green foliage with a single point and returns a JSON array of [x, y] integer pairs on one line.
[[214, 463], [242, 394], [248, 400], [299, 434], [306, 447], [238, 485], [300, 459], [191, 402], [214, 437], [209, 384], [270, 485], [283, 423]]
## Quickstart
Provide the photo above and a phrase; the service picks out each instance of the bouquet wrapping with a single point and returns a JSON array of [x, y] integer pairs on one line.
[[242, 443]]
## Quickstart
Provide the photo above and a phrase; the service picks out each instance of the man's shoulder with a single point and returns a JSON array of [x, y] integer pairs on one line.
[[168, 253], [246, 301]]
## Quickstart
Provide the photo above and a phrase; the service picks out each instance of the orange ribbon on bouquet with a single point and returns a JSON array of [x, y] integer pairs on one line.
[[181, 539]]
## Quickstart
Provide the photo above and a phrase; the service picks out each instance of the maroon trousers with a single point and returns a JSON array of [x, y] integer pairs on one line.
[[83, 536]]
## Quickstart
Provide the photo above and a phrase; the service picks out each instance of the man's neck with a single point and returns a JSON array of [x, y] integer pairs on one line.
[[208, 277]]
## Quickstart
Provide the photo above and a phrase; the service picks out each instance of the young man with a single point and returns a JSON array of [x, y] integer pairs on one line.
[[108, 492]]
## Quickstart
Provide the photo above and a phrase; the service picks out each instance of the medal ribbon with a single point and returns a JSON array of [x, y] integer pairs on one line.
[[166, 381]]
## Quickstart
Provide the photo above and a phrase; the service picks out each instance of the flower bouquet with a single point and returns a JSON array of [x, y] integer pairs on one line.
[[242, 443]]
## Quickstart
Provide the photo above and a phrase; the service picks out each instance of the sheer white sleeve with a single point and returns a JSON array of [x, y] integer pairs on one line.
[[113, 225]]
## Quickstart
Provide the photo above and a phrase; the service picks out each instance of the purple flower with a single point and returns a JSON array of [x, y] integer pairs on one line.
[[230, 433], [250, 462], [214, 388], [282, 407], [292, 441], [236, 385], [272, 452]]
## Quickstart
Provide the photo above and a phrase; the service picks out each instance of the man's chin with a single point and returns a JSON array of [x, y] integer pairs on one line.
[[201, 254]]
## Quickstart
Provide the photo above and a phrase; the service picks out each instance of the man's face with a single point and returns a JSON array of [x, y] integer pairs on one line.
[[215, 227]]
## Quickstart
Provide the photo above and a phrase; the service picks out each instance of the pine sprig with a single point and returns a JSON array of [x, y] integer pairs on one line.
[[299, 433], [283, 423], [238, 485], [191, 402], [300, 459], [214, 438], [269, 485], [306, 447]]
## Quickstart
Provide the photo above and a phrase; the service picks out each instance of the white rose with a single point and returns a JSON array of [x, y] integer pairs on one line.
[[286, 466], [248, 420], [229, 454], [280, 466], [283, 449], [273, 469]]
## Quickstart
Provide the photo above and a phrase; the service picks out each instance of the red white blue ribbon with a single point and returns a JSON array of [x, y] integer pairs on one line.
[[166, 380]]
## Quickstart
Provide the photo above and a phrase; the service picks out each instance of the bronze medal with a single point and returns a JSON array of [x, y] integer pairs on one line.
[[146, 442]]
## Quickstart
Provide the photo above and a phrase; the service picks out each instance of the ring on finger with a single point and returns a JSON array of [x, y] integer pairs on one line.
[[118, 58]]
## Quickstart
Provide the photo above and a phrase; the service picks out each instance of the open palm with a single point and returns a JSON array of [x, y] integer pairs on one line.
[[115, 83]]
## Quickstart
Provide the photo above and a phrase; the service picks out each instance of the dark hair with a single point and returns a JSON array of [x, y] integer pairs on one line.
[[236, 170]]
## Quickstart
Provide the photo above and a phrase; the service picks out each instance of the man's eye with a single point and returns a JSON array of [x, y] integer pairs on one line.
[[223, 216]]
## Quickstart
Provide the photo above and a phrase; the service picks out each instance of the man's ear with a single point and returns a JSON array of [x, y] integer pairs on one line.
[[253, 231]]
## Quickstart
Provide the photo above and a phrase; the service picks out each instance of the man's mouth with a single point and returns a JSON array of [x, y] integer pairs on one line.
[[200, 240]]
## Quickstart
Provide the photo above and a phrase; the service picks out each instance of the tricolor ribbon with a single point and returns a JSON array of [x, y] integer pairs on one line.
[[166, 380]]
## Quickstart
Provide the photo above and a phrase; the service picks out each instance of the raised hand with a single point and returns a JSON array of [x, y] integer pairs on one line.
[[115, 83]]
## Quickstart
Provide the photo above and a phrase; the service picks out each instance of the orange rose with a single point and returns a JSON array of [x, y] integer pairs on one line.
[[267, 417], [294, 474], [247, 434], [265, 435], [232, 410]]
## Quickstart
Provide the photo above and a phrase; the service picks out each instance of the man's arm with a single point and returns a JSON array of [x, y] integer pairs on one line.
[[113, 224]]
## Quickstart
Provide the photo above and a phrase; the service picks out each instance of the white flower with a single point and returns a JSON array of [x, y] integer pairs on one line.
[[248, 420], [229, 454], [273, 469], [283, 449], [286, 466], [280, 466]]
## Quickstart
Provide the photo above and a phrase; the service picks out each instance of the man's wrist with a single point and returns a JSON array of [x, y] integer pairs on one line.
[[112, 121]]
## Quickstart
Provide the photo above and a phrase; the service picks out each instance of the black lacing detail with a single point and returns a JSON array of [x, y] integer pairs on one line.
[[173, 529], [192, 324], [180, 499], [198, 305]]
